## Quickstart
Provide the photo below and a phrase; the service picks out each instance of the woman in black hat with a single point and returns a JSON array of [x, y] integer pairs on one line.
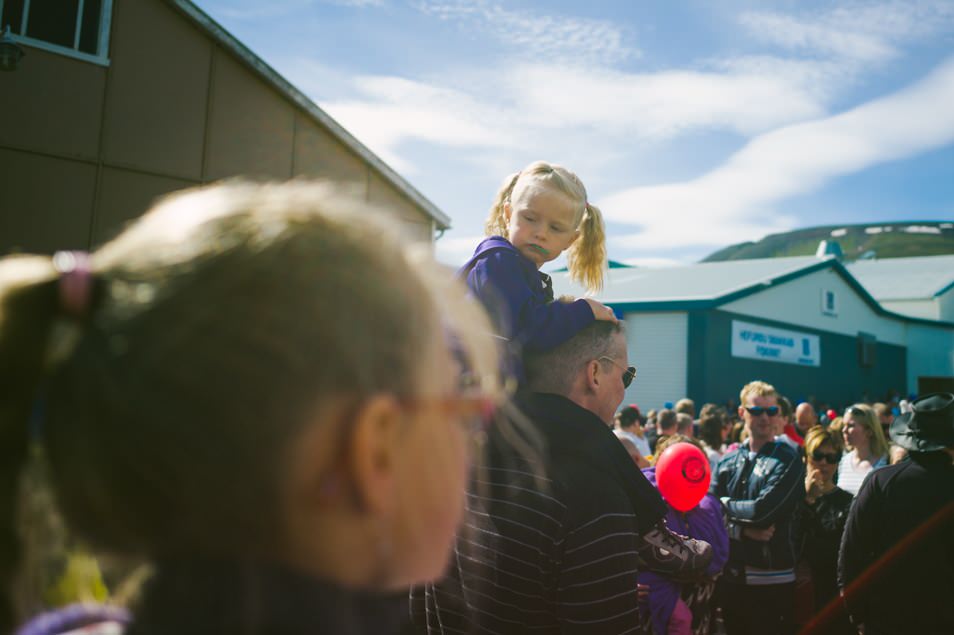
[[896, 565]]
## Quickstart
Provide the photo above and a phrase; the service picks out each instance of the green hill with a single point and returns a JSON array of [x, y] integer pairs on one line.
[[886, 240]]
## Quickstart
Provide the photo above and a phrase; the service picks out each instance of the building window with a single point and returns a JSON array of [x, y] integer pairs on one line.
[[78, 28], [829, 302]]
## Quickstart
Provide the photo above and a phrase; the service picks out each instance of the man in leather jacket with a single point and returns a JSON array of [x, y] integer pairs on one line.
[[759, 484]]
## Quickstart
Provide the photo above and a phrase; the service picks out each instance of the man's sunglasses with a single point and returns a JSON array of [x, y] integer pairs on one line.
[[832, 458], [758, 411], [629, 372]]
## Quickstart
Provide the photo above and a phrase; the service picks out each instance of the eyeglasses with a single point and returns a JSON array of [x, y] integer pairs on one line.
[[832, 458], [474, 412], [855, 410], [758, 411], [629, 372]]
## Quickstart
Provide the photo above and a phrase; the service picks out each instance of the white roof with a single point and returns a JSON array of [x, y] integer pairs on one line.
[[905, 278], [701, 281]]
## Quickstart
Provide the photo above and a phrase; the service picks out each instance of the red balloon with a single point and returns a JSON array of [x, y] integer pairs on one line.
[[683, 475]]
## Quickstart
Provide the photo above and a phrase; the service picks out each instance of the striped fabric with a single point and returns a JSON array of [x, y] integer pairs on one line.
[[850, 477], [550, 556], [758, 577]]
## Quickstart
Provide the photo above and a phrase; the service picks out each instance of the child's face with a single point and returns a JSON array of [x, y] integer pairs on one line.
[[541, 222]]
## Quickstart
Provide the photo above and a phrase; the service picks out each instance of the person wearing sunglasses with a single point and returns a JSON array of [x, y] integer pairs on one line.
[[759, 484], [868, 449], [820, 519], [561, 553]]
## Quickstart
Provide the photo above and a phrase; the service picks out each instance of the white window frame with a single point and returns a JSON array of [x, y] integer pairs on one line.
[[102, 54]]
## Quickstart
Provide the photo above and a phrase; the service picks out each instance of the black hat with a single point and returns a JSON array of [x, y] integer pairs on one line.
[[929, 426]]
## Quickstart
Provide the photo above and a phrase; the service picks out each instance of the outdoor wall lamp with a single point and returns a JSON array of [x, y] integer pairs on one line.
[[10, 51]]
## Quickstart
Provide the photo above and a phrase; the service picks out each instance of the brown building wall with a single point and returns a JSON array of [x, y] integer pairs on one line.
[[85, 148]]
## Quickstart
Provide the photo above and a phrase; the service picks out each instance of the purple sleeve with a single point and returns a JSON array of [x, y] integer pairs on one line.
[[500, 281], [710, 526], [663, 594]]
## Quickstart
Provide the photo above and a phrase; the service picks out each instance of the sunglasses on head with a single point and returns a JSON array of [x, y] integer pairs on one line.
[[855, 411], [758, 411], [629, 372], [831, 458]]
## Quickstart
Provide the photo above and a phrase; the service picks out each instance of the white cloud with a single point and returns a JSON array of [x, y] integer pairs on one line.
[[658, 105], [393, 110], [549, 37], [735, 201], [862, 32], [456, 250], [552, 108]]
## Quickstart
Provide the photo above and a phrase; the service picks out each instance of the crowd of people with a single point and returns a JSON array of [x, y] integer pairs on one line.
[[804, 495], [300, 424]]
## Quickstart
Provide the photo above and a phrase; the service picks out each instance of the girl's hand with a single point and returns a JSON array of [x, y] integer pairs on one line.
[[601, 311], [813, 481], [815, 485], [642, 592]]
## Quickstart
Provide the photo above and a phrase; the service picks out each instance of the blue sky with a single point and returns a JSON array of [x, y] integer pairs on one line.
[[694, 124]]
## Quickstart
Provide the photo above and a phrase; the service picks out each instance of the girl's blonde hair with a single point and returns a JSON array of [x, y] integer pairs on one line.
[[586, 257], [218, 325]]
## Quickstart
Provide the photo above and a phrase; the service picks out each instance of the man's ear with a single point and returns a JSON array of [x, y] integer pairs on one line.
[[593, 375], [371, 456], [742, 413]]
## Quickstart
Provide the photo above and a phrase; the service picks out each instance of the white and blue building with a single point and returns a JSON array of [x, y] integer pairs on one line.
[[807, 325]]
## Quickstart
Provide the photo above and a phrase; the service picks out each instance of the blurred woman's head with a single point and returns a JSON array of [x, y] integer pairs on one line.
[[861, 431], [712, 429], [257, 372]]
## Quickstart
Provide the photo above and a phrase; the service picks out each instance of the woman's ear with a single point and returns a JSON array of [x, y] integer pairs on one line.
[[371, 454]]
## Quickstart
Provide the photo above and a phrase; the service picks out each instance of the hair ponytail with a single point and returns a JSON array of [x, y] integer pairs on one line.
[[586, 258], [28, 307], [496, 224]]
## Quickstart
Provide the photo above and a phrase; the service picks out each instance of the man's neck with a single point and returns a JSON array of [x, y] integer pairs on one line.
[[755, 446]]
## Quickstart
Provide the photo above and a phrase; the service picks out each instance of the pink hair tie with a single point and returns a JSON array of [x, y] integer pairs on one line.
[[76, 282]]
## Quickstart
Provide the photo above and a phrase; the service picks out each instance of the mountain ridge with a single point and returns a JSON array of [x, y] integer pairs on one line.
[[863, 240]]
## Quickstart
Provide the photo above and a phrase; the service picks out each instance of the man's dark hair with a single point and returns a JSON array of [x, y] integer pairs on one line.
[[666, 420], [629, 416], [785, 406], [553, 371]]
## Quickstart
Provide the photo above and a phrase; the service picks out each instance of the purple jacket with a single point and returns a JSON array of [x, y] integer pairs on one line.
[[703, 522], [519, 299]]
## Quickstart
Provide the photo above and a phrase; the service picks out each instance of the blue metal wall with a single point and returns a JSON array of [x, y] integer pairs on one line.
[[716, 376]]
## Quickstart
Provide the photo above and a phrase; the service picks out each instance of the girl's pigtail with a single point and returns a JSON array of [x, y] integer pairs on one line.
[[28, 306], [496, 224], [586, 257]]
